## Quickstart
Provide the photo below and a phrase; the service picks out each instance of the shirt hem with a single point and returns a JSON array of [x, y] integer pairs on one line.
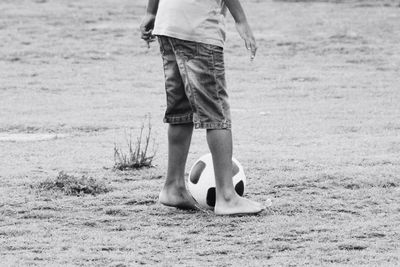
[[189, 38]]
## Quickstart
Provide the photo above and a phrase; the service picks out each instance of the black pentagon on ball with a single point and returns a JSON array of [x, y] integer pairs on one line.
[[211, 197], [196, 172], [239, 188]]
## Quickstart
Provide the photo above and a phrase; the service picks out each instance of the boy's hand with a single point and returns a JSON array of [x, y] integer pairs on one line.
[[146, 28], [247, 35]]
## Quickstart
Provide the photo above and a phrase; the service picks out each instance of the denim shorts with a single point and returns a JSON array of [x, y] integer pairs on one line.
[[195, 84]]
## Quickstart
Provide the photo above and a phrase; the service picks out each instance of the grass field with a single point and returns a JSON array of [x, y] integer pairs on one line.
[[316, 122]]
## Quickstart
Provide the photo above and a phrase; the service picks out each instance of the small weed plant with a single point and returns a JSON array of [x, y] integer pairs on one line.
[[138, 155], [74, 186]]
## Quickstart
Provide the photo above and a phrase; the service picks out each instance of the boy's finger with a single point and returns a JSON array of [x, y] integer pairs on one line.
[[146, 33], [149, 40], [148, 36], [253, 48], [246, 44]]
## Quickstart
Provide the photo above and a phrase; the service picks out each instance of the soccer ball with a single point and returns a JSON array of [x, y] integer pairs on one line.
[[201, 180]]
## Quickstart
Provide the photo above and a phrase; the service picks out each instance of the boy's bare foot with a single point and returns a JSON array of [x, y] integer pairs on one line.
[[238, 206], [177, 197]]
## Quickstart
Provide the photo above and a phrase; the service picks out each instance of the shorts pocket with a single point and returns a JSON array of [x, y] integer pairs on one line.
[[186, 49]]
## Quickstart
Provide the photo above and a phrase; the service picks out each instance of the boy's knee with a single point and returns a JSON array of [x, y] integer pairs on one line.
[[178, 132]]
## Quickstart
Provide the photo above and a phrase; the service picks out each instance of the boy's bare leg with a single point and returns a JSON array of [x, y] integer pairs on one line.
[[174, 192], [228, 202]]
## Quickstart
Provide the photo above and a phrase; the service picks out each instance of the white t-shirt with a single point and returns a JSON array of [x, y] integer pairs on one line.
[[200, 21]]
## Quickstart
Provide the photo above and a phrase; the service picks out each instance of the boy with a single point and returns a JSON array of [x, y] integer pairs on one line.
[[191, 36]]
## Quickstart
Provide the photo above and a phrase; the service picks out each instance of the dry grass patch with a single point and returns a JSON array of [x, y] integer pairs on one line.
[[74, 186]]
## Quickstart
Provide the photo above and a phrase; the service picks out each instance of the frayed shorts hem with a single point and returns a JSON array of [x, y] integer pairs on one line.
[[213, 125], [188, 119], [179, 119]]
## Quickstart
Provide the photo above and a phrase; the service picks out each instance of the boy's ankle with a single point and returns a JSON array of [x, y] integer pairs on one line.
[[224, 197], [178, 186]]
